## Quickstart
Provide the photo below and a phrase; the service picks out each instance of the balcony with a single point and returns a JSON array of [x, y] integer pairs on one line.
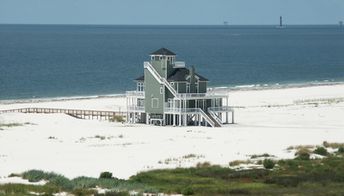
[[209, 95], [221, 109], [135, 108], [140, 94]]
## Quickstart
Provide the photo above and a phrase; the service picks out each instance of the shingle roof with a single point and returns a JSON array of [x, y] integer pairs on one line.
[[163, 51], [141, 78], [180, 74]]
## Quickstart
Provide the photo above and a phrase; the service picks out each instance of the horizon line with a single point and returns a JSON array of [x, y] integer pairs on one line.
[[107, 24]]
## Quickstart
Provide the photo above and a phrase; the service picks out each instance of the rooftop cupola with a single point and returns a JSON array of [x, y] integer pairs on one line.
[[162, 54]]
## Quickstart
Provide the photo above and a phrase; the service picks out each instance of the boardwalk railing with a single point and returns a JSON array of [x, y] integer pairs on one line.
[[83, 114]]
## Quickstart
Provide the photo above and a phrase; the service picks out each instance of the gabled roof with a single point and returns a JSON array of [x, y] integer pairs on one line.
[[180, 74], [163, 51]]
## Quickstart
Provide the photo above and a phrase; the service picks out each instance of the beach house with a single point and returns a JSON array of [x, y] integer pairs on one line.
[[170, 93]]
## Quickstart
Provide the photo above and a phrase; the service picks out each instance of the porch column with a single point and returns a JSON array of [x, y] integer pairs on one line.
[[126, 102], [185, 115], [147, 118], [180, 115], [180, 119], [232, 116]]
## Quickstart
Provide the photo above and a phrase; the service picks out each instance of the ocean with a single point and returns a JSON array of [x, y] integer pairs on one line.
[[43, 61]]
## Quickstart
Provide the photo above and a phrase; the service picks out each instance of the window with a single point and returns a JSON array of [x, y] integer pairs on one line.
[[161, 90], [170, 102], [140, 86], [140, 102], [217, 102], [155, 103], [187, 87], [197, 87]]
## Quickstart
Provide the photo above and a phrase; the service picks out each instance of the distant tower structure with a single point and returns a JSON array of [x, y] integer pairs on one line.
[[281, 21]]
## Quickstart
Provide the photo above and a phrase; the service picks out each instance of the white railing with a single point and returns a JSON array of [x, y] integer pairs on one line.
[[220, 109], [193, 111], [136, 108], [199, 95], [207, 118], [215, 117], [135, 93]]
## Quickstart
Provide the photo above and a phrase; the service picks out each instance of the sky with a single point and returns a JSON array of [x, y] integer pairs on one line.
[[171, 12]]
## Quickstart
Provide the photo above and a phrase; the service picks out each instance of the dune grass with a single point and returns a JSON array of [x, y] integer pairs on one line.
[[289, 177]]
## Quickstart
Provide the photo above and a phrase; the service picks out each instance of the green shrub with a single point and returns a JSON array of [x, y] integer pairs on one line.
[[117, 119], [239, 192], [38, 175], [203, 165], [321, 151], [341, 149], [61, 181], [268, 164], [303, 154], [106, 175], [287, 181], [113, 193], [188, 191], [83, 192]]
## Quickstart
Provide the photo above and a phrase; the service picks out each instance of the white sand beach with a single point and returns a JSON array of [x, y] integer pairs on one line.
[[267, 121]]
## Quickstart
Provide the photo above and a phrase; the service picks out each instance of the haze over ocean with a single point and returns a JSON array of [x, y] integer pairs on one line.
[[38, 61]]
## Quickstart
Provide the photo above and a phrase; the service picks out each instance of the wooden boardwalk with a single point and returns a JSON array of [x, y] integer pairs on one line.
[[82, 114]]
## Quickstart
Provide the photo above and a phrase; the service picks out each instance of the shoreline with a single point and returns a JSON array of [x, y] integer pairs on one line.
[[221, 89]]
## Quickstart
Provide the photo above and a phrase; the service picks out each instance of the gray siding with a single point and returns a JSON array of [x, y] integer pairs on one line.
[[152, 90], [202, 87]]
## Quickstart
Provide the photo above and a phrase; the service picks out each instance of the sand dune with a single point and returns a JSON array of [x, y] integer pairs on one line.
[[268, 122]]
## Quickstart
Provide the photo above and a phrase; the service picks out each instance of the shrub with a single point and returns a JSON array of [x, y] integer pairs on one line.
[[332, 145], [204, 164], [117, 119], [107, 175], [268, 164], [341, 149], [260, 155], [321, 151], [187, 191], [38, 175], [82, 192], [53, 178], [113, 193], [238, 162], [303, 154], [61, 181], [239, 192], [287, 181]]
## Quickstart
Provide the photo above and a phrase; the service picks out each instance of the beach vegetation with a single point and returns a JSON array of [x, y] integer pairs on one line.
[[203, 164], [106, 175], [341, 149], [300, 147], [268, 164], [332, 144], [303, 154], [321, 151], [265, 155], [239, 162], [117, 118], [292, 177], [8, 125]]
